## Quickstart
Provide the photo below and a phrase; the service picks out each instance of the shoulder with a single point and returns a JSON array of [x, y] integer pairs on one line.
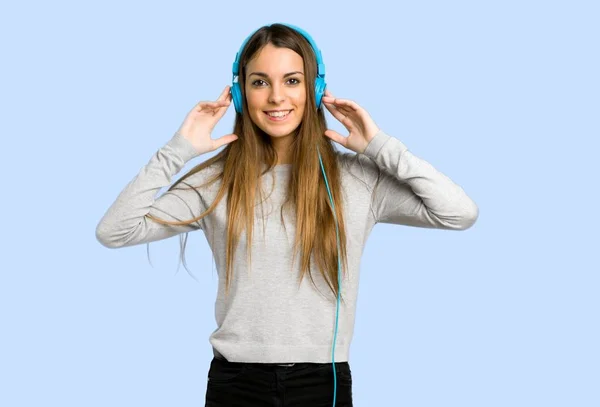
[[358, 168]]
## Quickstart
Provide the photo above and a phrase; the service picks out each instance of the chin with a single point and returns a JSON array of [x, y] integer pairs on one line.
[[280, 133]]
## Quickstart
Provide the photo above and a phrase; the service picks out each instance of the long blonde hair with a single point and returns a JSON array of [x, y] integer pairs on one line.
[[242, 162]]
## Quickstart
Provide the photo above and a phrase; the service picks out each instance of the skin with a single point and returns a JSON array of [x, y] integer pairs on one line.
[[279, 89]]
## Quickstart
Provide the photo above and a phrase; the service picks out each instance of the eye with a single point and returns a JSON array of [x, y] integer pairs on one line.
[[260, 82]]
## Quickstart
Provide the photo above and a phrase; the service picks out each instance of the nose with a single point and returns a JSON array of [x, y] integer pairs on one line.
[[276, 95]]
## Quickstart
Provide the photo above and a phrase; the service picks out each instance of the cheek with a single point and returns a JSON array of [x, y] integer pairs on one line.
[[301, 99], [254, 105], [252, 99]]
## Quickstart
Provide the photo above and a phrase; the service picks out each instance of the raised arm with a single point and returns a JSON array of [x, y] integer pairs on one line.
[[406, 190], [125, 222], [410, 191]]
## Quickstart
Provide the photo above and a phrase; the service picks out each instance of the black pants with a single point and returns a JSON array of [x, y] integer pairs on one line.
[[267, 385]]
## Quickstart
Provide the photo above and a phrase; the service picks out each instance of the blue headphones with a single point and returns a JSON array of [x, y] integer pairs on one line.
[[320, 85]]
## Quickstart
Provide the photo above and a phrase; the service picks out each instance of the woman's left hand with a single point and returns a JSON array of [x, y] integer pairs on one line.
[[360, 126]]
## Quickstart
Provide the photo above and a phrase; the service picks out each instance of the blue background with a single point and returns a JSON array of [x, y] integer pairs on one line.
[[502, 96]]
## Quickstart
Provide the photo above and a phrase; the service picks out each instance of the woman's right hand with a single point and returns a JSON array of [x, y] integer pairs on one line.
[[201, 120]]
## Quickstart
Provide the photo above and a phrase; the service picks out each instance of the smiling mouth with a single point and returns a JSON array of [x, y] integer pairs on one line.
[[279, 115]]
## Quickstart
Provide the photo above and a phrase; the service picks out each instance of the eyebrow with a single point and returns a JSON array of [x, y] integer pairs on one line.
[[264, 75]]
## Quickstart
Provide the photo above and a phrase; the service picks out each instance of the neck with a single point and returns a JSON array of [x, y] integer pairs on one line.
[[282, 147]]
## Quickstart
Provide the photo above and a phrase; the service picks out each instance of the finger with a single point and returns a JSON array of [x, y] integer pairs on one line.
[[220, 142], [349, 123], [347, 104], [334, 111], [223, 95], [212, 105], [344, 106], [225, 104], [228, 98], [343, 116], [346, 110], [335, 136], [328, 98], [220, 111]]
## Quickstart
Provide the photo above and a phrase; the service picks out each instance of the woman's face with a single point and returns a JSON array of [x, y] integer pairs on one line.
[[275, 90]]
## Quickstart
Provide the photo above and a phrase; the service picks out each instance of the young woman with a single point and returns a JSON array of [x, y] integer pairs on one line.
[[299, 208]]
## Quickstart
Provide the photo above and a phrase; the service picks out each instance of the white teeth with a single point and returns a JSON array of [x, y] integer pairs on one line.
[[278, 114]]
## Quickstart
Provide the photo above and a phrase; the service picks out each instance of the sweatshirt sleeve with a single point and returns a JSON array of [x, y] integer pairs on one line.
[[409, 191], [125, 222]]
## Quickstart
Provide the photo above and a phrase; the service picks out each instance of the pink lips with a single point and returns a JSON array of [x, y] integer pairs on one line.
[[278, 119]]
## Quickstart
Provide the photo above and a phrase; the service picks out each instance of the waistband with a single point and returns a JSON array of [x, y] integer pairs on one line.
[[265, 364], [219, 357]]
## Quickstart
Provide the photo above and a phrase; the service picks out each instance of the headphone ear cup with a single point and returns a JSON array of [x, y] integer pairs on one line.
[[320, 86], [236, 95]]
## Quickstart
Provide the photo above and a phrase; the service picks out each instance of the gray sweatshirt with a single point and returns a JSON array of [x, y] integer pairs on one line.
[[268, 316]]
